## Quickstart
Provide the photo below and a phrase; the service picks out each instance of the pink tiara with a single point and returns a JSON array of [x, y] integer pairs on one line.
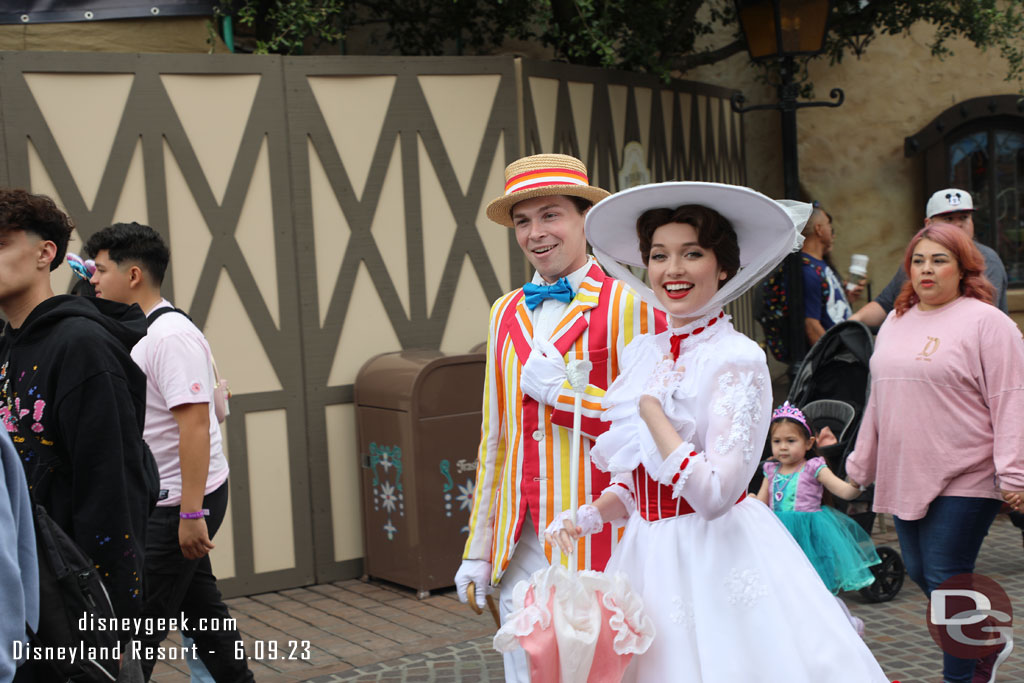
[[791, 412]]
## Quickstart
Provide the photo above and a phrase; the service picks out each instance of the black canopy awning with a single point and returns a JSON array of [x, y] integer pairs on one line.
[[51, 11]]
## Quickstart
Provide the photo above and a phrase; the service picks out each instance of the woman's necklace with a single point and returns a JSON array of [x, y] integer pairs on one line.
[[780, 483]]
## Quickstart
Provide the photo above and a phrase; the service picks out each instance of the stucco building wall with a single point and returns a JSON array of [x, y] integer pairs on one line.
[[851, 157]]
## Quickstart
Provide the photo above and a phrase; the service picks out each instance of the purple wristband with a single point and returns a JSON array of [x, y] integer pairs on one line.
[[199, 514]]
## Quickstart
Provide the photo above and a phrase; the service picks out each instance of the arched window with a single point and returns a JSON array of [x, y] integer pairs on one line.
[[979, 146]]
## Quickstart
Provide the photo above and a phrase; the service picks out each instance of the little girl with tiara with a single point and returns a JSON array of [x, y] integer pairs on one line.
[[793, 486]]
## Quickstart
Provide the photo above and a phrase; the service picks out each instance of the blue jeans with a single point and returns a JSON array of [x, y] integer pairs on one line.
[[942, 544]]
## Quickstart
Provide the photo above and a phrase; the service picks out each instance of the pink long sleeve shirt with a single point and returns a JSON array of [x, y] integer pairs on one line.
[[946, 413]]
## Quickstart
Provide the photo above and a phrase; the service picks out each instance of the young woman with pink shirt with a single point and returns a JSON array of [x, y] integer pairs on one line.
[[942, 437]]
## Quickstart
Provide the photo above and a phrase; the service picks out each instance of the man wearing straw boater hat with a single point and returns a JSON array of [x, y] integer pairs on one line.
[[570, 310]]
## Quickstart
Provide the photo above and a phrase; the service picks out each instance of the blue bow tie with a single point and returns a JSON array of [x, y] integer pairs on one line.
[[535, 294]]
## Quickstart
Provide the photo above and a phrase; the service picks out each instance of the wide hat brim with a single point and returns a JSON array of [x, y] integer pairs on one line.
[[500, 209], [760, 222]]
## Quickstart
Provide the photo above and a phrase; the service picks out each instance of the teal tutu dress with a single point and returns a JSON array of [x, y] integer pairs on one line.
[[836, 545]]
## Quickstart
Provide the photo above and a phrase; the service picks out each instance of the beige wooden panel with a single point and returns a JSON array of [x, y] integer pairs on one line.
[[346, 478], [617, 95], [388, 227], [240, 355], [643, 110], [702, 120], [189, 235], [467, 324], [255, 233], [132, 204], [581, 97], [222, 557], [367, 332], [330, 229], [354, 109], [668, 98], [545, 104], [494, 236], [83, 112], [461, 107], [62, 278], [213, 110], [438, 223], [686, 109], [273, 537]]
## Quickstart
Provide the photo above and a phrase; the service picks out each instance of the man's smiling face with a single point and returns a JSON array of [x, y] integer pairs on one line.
[[549, 230]]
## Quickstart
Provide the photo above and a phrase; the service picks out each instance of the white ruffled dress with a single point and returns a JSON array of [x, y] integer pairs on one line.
[[731, 595]]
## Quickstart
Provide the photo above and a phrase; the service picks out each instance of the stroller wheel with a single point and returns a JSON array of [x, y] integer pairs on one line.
[[888, 576]]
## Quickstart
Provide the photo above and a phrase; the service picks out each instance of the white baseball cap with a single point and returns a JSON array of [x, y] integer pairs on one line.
[[949, 201]]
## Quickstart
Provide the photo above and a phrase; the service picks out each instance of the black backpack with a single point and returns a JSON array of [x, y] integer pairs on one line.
[[779, 294], [71, 594]]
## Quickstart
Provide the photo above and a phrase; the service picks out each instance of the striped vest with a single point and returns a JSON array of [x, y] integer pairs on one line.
[[523, 459]]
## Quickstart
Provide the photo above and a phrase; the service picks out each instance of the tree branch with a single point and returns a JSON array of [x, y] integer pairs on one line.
[[692, 61]]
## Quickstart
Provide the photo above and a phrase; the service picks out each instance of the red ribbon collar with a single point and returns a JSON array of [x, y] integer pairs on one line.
[[676, 339]]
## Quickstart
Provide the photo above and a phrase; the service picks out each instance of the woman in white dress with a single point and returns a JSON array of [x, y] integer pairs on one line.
[[731, 594]]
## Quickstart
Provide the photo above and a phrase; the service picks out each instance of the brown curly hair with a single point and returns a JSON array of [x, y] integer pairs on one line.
[[714, 232], [36, 213]]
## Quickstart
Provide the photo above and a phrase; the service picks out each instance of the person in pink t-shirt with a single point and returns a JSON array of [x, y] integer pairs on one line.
[[942, 437], [182, 430]]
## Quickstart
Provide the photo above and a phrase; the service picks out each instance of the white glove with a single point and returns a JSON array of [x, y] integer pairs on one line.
[[473, 571], [544, 373], [663, 380], [588, 518]]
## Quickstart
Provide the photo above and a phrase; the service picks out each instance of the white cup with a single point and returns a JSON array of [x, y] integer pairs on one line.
[[859, 265]]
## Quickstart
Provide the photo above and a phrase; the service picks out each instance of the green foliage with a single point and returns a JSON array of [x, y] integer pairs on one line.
[[288, 26], [988, 24], [656, 36]]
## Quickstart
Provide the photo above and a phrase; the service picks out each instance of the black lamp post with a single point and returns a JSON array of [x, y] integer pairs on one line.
[[782, 30]]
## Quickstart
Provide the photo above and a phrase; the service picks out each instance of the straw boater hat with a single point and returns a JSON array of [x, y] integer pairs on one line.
[[767, 230], [538, 176]]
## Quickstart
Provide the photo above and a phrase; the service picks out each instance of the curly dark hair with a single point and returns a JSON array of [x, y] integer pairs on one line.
[[37, 214], [135, 243], [714, 232]]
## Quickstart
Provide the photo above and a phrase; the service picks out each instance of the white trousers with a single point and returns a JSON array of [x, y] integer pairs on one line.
[[527, 558]]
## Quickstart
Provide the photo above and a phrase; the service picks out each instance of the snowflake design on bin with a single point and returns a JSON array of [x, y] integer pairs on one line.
[[745, 587], [464, 497], [386, 494]]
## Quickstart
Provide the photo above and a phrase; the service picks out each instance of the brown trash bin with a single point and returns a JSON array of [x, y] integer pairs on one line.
[[418, 416]]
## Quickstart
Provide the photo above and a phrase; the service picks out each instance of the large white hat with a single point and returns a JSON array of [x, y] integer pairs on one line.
[[767, 230]]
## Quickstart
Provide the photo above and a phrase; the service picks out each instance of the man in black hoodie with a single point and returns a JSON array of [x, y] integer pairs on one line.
[[72, 399]]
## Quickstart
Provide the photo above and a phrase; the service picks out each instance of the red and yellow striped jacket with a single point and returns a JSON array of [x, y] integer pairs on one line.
[[523, 459]]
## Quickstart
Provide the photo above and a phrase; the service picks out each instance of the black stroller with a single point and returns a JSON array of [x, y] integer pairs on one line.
[[832, 388]]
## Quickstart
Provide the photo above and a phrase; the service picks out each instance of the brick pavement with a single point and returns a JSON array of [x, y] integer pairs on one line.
[[374, 632]]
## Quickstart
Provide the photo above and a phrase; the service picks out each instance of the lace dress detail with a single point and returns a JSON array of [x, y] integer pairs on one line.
[[739, 399], [745, 587]]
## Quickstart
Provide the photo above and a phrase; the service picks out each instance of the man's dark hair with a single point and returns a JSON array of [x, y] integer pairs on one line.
[[132, 243], [37, 214], [580, 203]]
